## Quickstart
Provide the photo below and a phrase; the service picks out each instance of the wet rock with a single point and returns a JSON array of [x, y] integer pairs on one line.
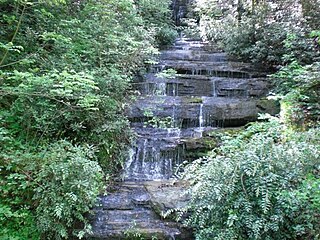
[[143, 199], [198, 144], [215, 109], [166, 195], [175, 119], [193, 55], [268, 106], [114, 221]]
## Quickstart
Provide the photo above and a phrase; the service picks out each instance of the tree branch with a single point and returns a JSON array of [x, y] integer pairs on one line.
[[15, 33]]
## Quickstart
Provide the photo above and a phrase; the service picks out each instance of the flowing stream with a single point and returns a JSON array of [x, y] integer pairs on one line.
[[170, 117]]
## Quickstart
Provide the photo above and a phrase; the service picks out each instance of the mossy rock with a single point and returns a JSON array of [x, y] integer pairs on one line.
[[194, 100], [268, 106], [217, 133]]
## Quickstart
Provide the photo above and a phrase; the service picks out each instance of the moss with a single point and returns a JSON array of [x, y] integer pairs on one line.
[[267, 105], [194, 100], [217, 133], [199, 147]]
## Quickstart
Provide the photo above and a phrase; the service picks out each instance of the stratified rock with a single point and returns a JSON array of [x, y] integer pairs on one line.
[[175, 119], [129, 212], [166, 195]]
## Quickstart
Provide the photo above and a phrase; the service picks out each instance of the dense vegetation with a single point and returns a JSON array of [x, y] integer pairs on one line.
[[261, 184], [265, 182], [65, 72]]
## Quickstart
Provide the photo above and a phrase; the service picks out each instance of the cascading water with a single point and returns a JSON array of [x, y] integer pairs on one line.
[[208, 92], [161, 89], [153, 158], [214, 88], [201, 116], [180, 10]]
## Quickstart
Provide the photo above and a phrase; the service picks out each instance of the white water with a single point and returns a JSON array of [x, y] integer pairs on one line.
[[174, 90], [214, 88], [161, 89], [201, 116]]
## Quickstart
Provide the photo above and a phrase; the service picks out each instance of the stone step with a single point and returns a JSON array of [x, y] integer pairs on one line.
[[219, 65], [123, 200], [149, 233], [208, 86], [119, 215], [177, 78], [193, 55], [228, 111], [211, 69], [142, 222]]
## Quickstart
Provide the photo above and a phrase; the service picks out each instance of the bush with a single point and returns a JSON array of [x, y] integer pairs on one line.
[[166, 36], [68, 185], [17, 224], [157, 16], [299, 87], [48, 190], [258, 31], [241, 191], [302, 205]]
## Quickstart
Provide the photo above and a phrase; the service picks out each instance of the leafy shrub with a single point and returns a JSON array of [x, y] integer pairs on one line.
[[61, 182], [157, 16], [17, 224], [166, 36], [68, 185], [241, 191], [258, 31], [299, 87], [302, 205], [74, 95]]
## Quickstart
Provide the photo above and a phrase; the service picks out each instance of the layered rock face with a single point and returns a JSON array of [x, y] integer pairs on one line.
[[170, 116], [133, 212]]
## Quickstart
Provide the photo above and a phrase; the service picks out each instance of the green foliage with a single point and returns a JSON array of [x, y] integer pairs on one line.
[[306, 200], [74, 95], [68, 184], [60, 181], [299, 86], [258, 31], [157, 16], [168, 73], [17, 224], [65, 71], [166, 36], [254, 187], [158, 122]]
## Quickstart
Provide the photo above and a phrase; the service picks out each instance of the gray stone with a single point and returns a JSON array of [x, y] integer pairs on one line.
[[166, 195], [141, 219], [209, 92]]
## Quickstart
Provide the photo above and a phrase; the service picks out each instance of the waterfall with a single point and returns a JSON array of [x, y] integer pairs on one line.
[[174, 90], [204, 95], [214, 88], [201, 116], [180, 10], [161, 89]]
